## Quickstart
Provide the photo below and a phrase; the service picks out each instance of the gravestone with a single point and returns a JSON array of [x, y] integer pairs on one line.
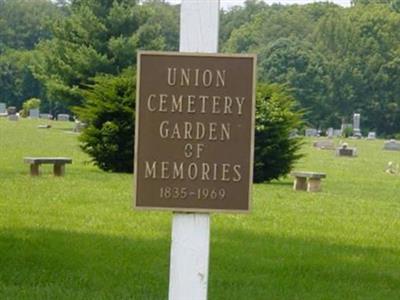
[[3, 110], [311, 132], [12, 110], [34, 113], [329, 132], [392, 145], [324, 144], [356, 126], [63, 117], [337, 132], [371, 135], [46, 116], [13, 117], [345, 150]]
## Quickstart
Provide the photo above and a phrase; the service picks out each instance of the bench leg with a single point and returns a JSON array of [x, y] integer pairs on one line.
[[314, 185], [300, 184], [34, 169], [59, 169]]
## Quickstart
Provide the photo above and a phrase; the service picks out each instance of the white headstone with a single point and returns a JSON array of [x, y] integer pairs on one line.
[[34, 113], [371, 135], [63, 117]]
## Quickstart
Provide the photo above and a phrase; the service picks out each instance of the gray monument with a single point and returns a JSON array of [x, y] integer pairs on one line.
[[62, 117], [356, 125], [12, 110], [392, 145], [34, 113]]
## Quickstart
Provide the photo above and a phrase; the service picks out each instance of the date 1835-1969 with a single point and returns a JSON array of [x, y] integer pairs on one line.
[[183, 193]]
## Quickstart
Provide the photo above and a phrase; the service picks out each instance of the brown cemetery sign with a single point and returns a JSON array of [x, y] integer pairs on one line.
[[194, 131]]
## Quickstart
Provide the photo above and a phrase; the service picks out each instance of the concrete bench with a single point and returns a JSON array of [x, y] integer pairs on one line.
[[307, 181], [58, 162]]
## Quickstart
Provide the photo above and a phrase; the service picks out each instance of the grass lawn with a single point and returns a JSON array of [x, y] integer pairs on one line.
[[77, 237]]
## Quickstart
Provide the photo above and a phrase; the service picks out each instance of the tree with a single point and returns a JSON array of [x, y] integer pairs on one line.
[[109, 113], [299, 66], [101, 37], [276, 149]]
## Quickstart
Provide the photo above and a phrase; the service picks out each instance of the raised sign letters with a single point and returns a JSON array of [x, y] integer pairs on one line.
[[194, 131]]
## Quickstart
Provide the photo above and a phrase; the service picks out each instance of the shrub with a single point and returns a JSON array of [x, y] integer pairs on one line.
[[31, 103], [276, 117], [109, 137], [109, 113]]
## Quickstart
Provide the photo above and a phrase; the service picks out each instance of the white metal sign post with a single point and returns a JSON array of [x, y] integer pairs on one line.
[[199, 26]]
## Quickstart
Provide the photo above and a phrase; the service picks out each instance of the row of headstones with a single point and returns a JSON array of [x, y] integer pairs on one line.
[[345, 150], [338, 132], [33, 114], [331, 133]]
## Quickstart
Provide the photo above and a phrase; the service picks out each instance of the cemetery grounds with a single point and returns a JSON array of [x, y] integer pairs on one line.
[[77, 237]]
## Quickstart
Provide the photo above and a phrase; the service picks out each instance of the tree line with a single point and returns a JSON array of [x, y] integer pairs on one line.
[[334, 60]]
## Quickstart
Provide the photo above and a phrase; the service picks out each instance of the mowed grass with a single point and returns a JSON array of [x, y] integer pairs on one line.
[[77, 237]]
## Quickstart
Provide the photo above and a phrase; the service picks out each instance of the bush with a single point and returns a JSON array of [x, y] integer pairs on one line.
[[109, 113], [275, 150], [28, 105], [109, 137]]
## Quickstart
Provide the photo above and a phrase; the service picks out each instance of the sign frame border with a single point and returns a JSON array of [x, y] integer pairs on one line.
[[137, 106]]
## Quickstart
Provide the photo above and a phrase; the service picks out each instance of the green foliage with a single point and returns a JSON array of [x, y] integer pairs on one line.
[[335, 60], [101, 37], [29, 104], [275, 150], [109, 113], [23, 23], [16, 79]]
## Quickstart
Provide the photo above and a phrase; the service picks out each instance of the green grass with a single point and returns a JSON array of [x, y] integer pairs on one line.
[[77, 237]]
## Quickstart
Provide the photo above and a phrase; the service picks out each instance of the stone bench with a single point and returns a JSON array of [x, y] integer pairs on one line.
[[307, 181], [58, 162]]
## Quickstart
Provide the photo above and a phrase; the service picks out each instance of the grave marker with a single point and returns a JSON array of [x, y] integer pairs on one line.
[[371, 135], [34, 113], [356, 126], [3, 109], [63, 117], [392, 145], [345, 150]]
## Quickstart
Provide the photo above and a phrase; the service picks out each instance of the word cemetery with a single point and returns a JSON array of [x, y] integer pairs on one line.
[[194, 131]]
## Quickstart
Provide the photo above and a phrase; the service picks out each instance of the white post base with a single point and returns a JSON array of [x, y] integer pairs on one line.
[[190, 249]]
